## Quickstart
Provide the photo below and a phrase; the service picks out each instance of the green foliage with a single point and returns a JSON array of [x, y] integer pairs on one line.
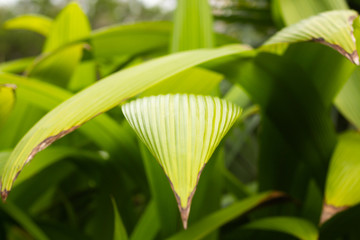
[[294, 141]]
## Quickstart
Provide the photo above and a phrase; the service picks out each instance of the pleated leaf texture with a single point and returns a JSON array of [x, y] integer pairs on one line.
[[182, 131]]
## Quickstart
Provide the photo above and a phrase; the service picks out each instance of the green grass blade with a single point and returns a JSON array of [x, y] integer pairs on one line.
[[119, 229], [343, 186], [36, 23], [333, 28], [297, 227], [215, 220], [101, 97], [148, 225]]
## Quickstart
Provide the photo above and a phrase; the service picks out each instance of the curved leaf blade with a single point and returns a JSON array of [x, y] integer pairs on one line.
[[36, 23], [333, 28], [182, 132], [296, 227], [101, 97], [69, 26], [210, 223], [343, 185]]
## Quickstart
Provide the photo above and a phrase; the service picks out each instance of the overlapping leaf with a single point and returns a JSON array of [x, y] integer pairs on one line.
[[101, 97], [333, 28], [343, 184]]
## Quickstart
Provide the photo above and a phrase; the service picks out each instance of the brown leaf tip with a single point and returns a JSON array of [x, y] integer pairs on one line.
[[329, 211], [4, 195]]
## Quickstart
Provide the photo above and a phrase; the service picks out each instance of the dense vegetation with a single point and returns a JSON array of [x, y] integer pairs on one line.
[[288, 168]]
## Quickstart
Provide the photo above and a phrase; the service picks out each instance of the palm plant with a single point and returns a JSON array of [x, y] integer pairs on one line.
[[102, 182]]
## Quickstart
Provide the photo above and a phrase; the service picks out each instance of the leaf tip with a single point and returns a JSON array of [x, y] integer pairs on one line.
[[329, 211]]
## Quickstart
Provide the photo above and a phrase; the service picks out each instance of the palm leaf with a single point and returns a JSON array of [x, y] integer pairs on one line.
[[182, 132]]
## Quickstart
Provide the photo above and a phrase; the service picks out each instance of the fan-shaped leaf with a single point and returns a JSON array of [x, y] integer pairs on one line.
[[182, 132], [333, 28]]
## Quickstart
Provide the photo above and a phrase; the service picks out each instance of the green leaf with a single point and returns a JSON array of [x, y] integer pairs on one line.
[[333, 28], [192, 26], [69, 26], [4, 155], [343, 184], [296, 227], [293, 11], [348, 100], [119, 229], [7, 101], [24, 220], [36, 23], [57, 66], [101, 97], [103, 130], [129, 39], [16, 66], [215, 220], [182, 132], [194, 81], [161, 194], [148, 225]]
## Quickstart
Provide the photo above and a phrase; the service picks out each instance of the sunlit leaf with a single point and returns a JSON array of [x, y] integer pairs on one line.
[[35, 23], [293, 11], [194, 81], [333, 28], [101, 97], [297, 227], [182, 132], [69, 26], [343, 184], [7, 101], [192, 26]]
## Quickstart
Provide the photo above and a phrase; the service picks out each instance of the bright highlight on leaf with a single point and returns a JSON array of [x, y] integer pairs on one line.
[[333, 28], [181, 131], [343, 183], [7, 100]]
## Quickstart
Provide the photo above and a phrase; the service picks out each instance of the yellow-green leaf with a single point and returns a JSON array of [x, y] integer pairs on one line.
[[101, 97], [292, 11], [69, 26], [181, 131], [193, 26], [333, 28], [36, 23], [343, 183], [194, 81], [297, 227], [7, 101]]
